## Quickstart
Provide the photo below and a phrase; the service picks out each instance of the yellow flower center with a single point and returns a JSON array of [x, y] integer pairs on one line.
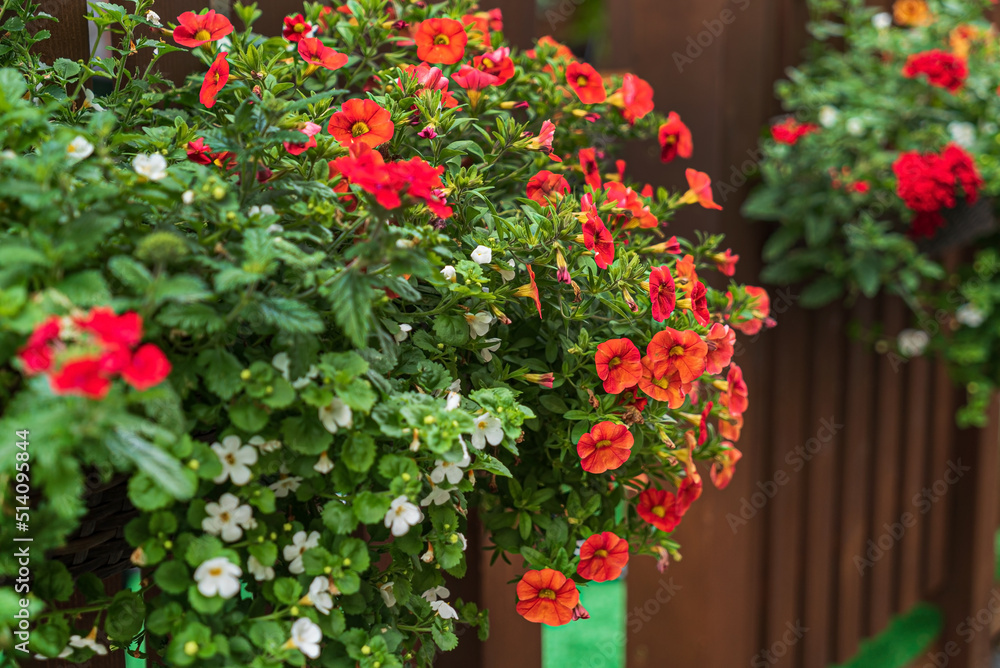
[[659, 511], [615, 361], [603, 554], [602, 444], [231, 459], [203, 35], [582, 81], [359, 129], [677, 351], [300, 27], [215, 572], [442, 40], [547, 594], [224, 516]]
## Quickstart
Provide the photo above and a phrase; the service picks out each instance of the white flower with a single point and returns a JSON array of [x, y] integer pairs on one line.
[[300, 543], [444, 610], [969, 315], [428, 556], [506, 274], [188, 196], [450, 471], [236, 460], [218, 577], [434, 593], [88, 101], [265, 446], [463, 540], [487, 352], [319, 594], [227, 518], [306, 637], [324, 464], [266, 210], [83, 642], [855, 127], [282, 364], [882, 20], [828, 116], [386, 591], [259, 571], [286, 485], [453, 401], [479, 323], [963, 134], [438, 497], [482, 255], [153, 17], [153, 167], [486, 429], [275, 229], [913, 342], [402, 515], [79, 148], [449, 273], [404, 331], [335, 415], [299, 383]]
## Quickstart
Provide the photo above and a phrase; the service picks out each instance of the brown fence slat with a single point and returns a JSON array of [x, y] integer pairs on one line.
[[915, 447], [70, 37]]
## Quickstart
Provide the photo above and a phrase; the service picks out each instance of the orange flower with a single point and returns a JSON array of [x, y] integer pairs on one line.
[[591, 172], [317, 54], [586, 83], [597, 238], [197, 29], [547, 597], [626, 198], [497, 63], [441, 41], [361, 121], [696, 301], [689, 490], [530, 290], [668, 388], [635, 98], [602, 557], [662, 293], [726, 262], [605, 447], [730, 429], [546, 187], [659, 508], [912, 13], [618, 365], [722, 470], [737, 395], [215, 79], [681, 350], [686, 273], [675, 139], [700, 190], [721, 342], [544, 379]]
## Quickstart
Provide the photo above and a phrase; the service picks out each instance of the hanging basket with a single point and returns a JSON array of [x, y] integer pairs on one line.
[[965, 224]]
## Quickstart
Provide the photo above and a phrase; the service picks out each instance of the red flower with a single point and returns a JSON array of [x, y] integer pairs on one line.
[[726, 262], [441, 41], [605, 447], [496, 63], [662, 293], [201, 153], [737, 395], [962, 167], [297, 28], [362, 121], [543, 142], [681, 350], [697, 302], [668, 388], [790, 131], [547, 597], [722, 470], [197, 29], [721, 341], [484, 22], [365, 168], [675, 139], [546, 187], [626, 198], [700, 189], [940, 67], [759, 307], [618, 365], [730, 429], [110, 329], [635, 97], [36, 355], [148, 368], [591, 172], [215, 79], [659, 508], [544, 379], [473, 80], [602, 557], [597, 238], [689, 491], [706, 412], [310, 130], [586, 83], [83, 377], [530, 290], [313, 51]]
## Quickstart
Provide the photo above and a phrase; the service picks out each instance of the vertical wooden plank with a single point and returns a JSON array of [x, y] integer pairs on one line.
[[941, 432], [914, 456], [519, 27], [855, 453], [513, 641], [70, 36]]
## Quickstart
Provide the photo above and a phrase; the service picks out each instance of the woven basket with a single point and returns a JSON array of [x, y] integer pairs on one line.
[[965, 224], [98, 545]]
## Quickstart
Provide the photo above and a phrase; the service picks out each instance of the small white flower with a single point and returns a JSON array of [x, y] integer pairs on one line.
[[299, 383], [402, 515], [306, 637], [487, 352], [236, 460], [153, 17], [286, 485], [255, 211], [855, 127], [479, 323], [434, 593], [386, 591], [260, 572], [486, 429], [882, 20], [79, 148], [463, 540], [275, 229], [300, 543], [83, 642], [88, 101], [153, 167], [507, 274], [913, 342], [319, 594], [449, 273], [218, 577], [404, 331], [453, 401], [969, 315], [265, 446], [227, 518], [188, 196], [828, 116], [335, 415], [450, 471], [324, 464], [963, 134], [444, 610], [438, 497], [482, 255]]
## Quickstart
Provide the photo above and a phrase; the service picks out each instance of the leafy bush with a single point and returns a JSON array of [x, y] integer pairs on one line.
[[313, 359]]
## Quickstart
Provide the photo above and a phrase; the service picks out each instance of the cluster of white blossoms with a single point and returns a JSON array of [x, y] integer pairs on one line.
[[228, 518], [434, 596]]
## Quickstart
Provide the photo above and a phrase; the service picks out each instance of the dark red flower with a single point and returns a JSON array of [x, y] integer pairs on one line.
[[662, 293], [675, 139], [83, 377], [790, 131], [591, 172], [296, 28], [941, 68], [598, 239]]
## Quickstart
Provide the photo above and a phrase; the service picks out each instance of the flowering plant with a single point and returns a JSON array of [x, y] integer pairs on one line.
[[886, 158], [325, 298]]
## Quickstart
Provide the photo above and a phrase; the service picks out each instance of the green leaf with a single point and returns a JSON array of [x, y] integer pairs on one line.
[[85, 288], [66, 68], [339, 518], [306, 434], [287, 590], [164, 469], [130, 273], [868, 274], [553, 403], [221, 371], [289, 315], [125, 616], [172, 577], [821, 292], [452, 330], [444, 639], [359, 452], [350, 296], [371, 507], [247, 415], [52, 581]]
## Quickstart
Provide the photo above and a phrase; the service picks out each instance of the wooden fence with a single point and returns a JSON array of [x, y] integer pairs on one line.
[[839, 443]]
